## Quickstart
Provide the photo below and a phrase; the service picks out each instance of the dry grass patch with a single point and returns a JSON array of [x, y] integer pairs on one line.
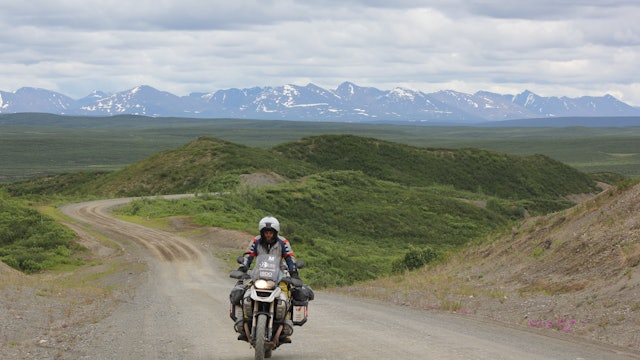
[[631, 255]]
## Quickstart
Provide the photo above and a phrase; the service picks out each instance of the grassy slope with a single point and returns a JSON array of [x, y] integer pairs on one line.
[[475, 170], [31, 241], [210, 164], [346, 212], [575, 271], [353, 206]]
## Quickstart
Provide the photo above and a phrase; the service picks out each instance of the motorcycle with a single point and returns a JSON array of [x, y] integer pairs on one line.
[[267, 303]]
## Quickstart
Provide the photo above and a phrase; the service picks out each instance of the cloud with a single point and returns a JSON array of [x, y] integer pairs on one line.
[[560, 47]]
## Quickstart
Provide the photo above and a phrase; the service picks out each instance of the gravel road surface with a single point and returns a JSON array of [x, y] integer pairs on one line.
[[179, 310]]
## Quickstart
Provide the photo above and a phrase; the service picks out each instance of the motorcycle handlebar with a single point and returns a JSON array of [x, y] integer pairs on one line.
[[237, 274]]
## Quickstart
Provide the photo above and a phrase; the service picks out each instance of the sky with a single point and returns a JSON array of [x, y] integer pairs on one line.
[[553, 48]]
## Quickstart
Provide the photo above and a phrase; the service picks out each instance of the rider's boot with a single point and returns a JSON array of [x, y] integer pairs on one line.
[[285, 337], [239, 328]]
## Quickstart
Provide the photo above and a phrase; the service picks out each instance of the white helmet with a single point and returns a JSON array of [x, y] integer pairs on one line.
[[269, 222]]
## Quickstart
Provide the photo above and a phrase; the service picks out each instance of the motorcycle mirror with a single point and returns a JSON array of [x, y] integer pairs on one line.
[[240, 259], [299, 264]]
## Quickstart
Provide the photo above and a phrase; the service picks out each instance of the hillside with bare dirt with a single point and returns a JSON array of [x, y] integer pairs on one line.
[[574, 272]]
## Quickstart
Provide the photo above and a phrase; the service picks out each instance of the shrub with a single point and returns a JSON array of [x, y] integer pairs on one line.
[[30, 241], [415, 258]]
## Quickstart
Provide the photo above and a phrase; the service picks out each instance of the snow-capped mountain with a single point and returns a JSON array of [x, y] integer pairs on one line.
[[27, 99], [348, 102]]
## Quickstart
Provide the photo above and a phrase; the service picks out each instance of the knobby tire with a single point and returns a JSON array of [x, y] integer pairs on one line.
[[261, 332]]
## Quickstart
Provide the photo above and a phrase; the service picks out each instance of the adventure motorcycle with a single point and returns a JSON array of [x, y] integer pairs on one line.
[[267, 303]]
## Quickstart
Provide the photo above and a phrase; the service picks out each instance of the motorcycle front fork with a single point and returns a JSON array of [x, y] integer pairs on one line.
[[251, 332]]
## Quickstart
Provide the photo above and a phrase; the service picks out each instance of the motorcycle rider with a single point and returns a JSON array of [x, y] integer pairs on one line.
[[269, 242]]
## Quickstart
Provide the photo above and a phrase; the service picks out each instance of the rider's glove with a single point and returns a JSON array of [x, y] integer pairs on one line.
[[242, 268], [295, 275]]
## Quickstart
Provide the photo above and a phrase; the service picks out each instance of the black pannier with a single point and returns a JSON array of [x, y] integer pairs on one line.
[[237, 293], [300, 309], [302, 294]]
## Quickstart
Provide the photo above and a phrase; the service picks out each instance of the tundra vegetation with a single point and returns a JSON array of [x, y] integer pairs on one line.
[[355, 208], [31, 241], [43, 144]]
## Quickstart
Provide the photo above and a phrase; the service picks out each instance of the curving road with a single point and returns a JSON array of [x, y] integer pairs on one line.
[[180, 311]]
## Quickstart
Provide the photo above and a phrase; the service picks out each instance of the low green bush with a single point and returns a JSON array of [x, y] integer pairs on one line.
[[415, 258], [30, 241]]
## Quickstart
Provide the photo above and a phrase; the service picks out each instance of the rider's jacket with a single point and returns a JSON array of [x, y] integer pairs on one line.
[[258, 246]]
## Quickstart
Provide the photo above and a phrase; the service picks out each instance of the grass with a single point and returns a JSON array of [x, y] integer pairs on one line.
[[42, 144], [363, 199], [31, 241], [631, 255], [348, 226], [356, 208]]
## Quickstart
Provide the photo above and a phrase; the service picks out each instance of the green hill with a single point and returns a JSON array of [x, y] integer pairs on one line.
[[209, 165], [355, 208], [475, 170], [205, 165]]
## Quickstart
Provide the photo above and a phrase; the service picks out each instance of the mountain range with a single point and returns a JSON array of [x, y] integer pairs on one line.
[[347, 103]]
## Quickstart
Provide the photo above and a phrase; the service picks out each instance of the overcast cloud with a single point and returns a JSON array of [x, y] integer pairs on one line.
[[553, 48]]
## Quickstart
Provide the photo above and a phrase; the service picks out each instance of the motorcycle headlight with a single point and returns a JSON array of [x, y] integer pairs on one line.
[[264, 284]]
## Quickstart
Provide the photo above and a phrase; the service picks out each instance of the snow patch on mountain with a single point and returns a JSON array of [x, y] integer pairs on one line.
[[348, 102]]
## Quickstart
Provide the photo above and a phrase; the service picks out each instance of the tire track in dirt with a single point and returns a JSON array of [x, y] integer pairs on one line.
[[176, 308], [162, 245], [180, 311]]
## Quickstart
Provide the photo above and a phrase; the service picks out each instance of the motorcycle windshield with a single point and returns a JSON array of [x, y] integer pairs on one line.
[[267, 267]]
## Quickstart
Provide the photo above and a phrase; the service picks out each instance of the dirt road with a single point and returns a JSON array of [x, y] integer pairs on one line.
[[178, 309]]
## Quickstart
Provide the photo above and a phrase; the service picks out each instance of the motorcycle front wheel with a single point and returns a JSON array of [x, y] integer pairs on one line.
[[261, 336]]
